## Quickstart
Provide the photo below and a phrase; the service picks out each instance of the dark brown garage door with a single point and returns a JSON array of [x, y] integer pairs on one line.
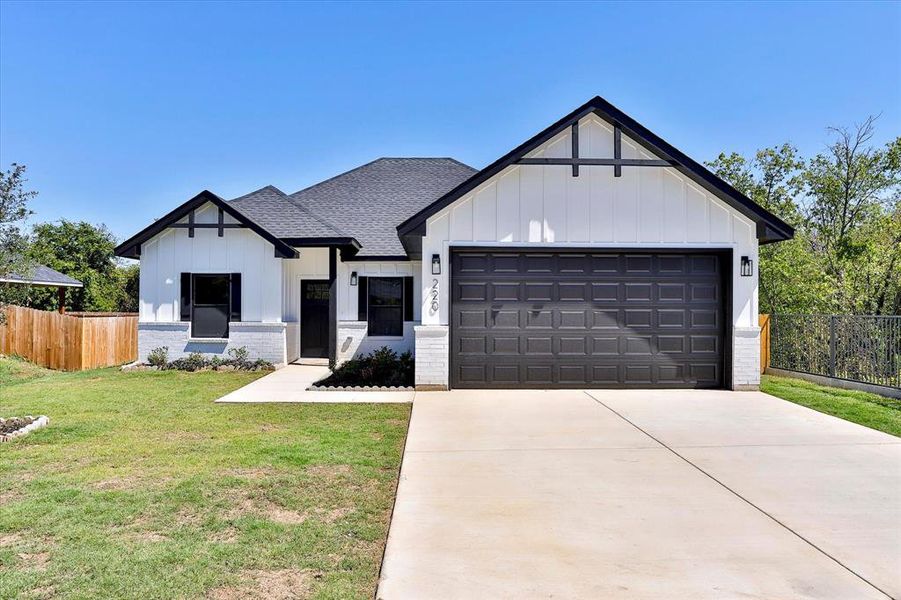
[[587, 319]]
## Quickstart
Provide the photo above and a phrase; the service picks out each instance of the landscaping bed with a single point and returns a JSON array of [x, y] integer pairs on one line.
[[238, 360], [381, 370], [19, 426]]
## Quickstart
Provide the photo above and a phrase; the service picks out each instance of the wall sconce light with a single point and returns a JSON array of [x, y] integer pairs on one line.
[[747, 266], [353, 278], [436, 264]]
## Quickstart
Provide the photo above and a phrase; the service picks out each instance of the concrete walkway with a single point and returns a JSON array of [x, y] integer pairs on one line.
[[290, 383], [670, 494]]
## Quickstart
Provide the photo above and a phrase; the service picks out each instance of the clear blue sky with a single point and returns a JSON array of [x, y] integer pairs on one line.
[[123, 111]]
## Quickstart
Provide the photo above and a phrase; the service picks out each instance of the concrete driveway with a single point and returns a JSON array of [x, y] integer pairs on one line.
[[664, 494]]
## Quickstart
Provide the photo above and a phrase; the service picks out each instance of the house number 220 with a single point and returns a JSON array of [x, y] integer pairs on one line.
[[433, 295]]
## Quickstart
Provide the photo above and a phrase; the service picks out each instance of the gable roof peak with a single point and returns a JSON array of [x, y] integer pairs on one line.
[[770, 228]]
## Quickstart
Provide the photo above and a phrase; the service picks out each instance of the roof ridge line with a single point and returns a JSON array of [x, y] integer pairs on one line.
[[296, 203], [333, 177]]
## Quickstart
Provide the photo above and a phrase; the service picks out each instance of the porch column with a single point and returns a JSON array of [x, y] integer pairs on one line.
[[332, 303], [61, 297]]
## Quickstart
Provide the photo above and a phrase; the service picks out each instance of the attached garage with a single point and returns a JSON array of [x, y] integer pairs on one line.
[[588, 319], [593, 255]]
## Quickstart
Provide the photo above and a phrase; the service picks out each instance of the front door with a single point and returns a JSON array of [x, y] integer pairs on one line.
[[314, 318]]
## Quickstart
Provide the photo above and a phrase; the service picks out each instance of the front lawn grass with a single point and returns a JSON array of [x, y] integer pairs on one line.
[[871, 410], [142, 487]]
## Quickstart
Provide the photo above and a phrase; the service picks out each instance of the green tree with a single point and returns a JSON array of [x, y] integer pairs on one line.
[[85, 252], [791, 278], [14, 210], [852, 195]]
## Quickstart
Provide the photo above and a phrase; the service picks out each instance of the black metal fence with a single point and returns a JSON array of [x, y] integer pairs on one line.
[[858, 348]]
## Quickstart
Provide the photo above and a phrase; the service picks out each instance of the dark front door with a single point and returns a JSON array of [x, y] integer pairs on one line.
[[314, 319], [583, 319]]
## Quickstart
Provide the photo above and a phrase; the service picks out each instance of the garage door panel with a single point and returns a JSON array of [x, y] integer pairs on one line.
[[506, 319], [584, 319]]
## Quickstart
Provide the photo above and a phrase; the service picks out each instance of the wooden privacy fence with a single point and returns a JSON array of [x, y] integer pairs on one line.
[[69, 343], [764, 322]]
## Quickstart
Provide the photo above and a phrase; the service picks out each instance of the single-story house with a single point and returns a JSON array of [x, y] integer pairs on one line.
[[39, 275], [594, 254]]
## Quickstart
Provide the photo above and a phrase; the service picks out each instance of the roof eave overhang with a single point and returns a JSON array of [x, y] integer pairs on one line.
[[773, 228], [347, 245], [131, 248], [38, 283]]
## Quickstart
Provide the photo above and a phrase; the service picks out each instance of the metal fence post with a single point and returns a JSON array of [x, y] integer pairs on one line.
[[832, 346]]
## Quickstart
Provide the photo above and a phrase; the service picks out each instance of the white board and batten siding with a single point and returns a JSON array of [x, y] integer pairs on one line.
[[172, 252], [545, 206]]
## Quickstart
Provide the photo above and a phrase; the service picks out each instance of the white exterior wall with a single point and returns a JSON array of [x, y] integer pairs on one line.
[[172, 252], [352, 339], [545, 206]]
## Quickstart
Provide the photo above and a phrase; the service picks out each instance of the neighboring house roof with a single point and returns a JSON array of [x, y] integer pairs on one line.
[[770, 228], [368, 202], [42, 276]]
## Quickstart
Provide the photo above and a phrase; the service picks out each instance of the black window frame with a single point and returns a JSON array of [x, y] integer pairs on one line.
[[231, 307], [377, 311]]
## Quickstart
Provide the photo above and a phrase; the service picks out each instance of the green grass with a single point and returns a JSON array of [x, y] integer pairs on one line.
[[141, 487], [16, 370], [871, 410]]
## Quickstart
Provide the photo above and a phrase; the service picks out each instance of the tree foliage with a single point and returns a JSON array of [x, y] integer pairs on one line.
[[14, 210], [85, 252], [844, 204]]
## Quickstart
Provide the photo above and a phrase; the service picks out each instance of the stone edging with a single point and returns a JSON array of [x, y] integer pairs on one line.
[[359, 388], [41, 421]]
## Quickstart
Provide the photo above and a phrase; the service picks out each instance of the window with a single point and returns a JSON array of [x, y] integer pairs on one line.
[[209, 302], [386, 306]]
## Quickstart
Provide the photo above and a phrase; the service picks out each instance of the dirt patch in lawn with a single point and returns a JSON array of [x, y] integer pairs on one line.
[[147, 536], [9, 539], [42, 592], [228, 535], [281, 584], [266, 509], [35, 560], [254, 473], [329, 472]]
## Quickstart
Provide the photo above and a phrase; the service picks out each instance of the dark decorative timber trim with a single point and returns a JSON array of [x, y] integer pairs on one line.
[[131, 248], [575, 150], [596, 162], [412, 230], [617, 149]]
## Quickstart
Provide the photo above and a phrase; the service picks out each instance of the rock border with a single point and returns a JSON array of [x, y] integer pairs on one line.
[[41, 421], [359, 388]]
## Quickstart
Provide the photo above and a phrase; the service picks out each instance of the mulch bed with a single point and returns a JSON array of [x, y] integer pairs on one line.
[[14, 424], [17, 426]]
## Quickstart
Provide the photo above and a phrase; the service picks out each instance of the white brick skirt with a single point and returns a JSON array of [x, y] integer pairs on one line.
[[432, 346], [746, 358], [262, 340]]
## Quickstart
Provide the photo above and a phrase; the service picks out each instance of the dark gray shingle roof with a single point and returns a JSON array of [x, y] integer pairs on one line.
[[370, 201], [41, 275], [274, 211]]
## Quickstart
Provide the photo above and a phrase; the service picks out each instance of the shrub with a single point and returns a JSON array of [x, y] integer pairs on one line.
[[238, 359], [193, 362], [158, 357], [383, 367]]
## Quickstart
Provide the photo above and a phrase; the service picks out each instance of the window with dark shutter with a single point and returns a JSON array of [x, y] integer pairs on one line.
[[386, 306], [235, 297], [408, 298], [362, 298], [185, 302]]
